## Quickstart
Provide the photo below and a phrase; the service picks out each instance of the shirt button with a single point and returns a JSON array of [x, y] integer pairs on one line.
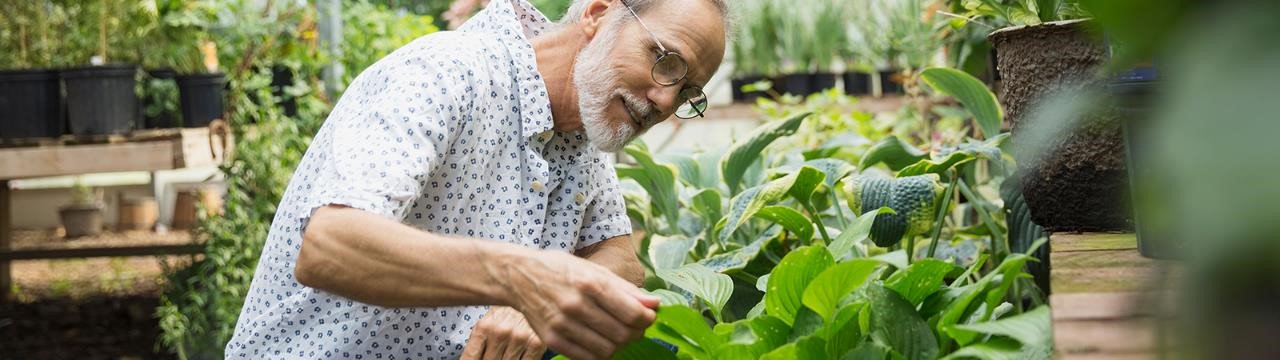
[[579, 198], [537, 185]]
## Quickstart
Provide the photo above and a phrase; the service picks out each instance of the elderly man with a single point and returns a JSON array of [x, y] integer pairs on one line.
[[460, 184]]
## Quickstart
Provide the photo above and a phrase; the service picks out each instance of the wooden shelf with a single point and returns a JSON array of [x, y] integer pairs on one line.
[[1108, 301], [141, 151]]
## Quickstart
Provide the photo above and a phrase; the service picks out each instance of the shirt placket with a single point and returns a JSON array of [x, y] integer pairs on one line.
[[535, 189]]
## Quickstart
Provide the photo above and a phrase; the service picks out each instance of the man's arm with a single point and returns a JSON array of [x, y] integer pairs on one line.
[[577, 307], [618, 254]]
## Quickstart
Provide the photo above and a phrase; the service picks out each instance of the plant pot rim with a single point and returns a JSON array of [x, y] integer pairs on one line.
[[28, 74], [1019, 28], [74, 207], [199, 75], [100, 70]]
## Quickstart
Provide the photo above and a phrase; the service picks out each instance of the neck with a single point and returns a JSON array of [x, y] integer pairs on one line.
[[556, 53]]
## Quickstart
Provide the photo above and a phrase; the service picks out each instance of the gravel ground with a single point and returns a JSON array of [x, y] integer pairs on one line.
[[36, 280]]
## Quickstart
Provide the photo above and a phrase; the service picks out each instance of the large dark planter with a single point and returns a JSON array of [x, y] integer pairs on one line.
[[891, 82], [100, 99], [30, 104], [1081, 183], [1133, 99], [857, 83], [738, 82], [164, 119], [819, 82], [202, 98], [281, 77], [794, 84]]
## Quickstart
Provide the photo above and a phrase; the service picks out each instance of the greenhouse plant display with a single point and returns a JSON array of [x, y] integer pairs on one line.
[[183, 28], [100, 94]]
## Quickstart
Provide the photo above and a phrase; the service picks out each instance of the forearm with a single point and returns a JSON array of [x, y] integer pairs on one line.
[[374, 260], [619, 256]]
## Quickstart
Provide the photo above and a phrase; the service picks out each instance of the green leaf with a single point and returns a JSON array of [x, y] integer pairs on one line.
[[972, 93], [712, 287], [868, 350], [1032, 330], [897, 258], [893, 152], [936, 167], [669, 252], [657, 179], [707, 204], [894, 321], [951, 157], [735, 259], [835, 169], [995, 349], [919, 280], [687, 168], [811, 347], [686, 329], [752, 338], [644, 349], [746, 204], [789, 218], [745, 153], [958, 308], [789, 279], [833, 284], [808, 179], [843, 331], [670, 298], [857, 232]]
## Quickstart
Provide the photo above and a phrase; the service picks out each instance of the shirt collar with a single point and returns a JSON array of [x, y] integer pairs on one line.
[[514, 23]]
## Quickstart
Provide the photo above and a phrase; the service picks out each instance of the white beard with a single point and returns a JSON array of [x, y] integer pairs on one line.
[[597, 86]]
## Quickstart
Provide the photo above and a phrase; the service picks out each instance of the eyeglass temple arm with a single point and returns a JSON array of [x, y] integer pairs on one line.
[[646, 27]]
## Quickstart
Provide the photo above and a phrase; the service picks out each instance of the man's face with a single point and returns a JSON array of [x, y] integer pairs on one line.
[[617, 96]]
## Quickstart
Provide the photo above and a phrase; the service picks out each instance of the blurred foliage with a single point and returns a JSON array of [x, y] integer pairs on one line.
[[371, 31]]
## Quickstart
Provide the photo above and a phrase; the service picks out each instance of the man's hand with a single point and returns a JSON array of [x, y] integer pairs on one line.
[[577, 307], [503, 333]]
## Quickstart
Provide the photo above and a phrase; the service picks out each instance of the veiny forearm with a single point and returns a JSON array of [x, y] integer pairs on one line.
[[374, 260], [618, 255]]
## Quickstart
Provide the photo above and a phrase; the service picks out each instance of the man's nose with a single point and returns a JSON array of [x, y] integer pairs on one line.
[[664, 97]]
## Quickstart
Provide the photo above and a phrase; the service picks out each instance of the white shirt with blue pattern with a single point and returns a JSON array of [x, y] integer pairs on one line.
[[450, 134]]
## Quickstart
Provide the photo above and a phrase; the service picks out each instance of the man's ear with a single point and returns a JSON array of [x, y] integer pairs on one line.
[[593, 18]]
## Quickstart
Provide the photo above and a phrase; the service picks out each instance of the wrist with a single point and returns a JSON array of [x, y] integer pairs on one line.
[[505, 266]]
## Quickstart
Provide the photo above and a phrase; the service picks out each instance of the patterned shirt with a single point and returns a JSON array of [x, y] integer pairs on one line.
[[451, 134]]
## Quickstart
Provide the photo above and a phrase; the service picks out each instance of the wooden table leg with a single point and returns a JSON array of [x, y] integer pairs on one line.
[[6, 281]]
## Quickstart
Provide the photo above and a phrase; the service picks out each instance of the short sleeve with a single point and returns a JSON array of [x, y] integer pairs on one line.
[[606, 214], [387, 133]]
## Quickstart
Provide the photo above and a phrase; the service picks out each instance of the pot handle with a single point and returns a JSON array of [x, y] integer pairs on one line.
[[220, 128]]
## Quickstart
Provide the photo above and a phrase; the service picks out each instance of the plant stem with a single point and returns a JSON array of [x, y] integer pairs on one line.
[[835, 202], [1000, 248], [817, 220], [940, 220]]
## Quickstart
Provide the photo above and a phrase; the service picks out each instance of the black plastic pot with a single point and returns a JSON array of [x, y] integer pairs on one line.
[[30, 104], [857, 83], [281, 77], [100, 99], [1133, 104], [819, 82], [201, 98], [794, 84], [738, 82], [889, 82]]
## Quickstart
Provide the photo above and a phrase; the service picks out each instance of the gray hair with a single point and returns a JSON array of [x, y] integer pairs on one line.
[[579, 7]]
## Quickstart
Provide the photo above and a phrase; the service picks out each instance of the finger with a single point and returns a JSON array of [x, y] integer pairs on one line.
[[495, 349], [613, 329], [624, 307], [534, 348], [646, 299], [474, 348], [594, 344], [568, 349]]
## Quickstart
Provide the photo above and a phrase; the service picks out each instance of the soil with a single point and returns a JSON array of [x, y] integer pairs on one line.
[[1082, 185]]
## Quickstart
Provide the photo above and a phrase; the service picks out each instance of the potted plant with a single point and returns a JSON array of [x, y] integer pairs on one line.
[[83, 216], [1081, 184], [828, 36], [101, 98], [796, 47], [201, 87], [756, 50], [30, 94]]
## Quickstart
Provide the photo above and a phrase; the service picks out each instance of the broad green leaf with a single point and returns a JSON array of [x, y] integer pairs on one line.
[[995, 349], [894, 321], [919, 280], [735, 259], [855, 233], [897, 258], [835, 169], [972, 93], [808, 179], [958, 308], [644, 349], [833, 284], [867, 350], [789, 218], [669, 252], [707, 203], [807, 323], [747, 203], [659, 180], [843, 331], [686, 329], [687, 168], [790, 278], [893, 152], [1032, 330], [811, 347], [762, 282], [709, 168], [928, 166], [752, 338], [712, 287], [747, 152], [670, 298]]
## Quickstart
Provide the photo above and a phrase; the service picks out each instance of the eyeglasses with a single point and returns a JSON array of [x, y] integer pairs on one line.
[[670, 69]]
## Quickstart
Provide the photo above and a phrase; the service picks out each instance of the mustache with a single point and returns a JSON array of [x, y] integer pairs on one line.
[[642, 108]]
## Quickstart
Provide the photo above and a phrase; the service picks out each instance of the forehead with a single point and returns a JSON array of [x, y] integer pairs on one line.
[[693, 28]]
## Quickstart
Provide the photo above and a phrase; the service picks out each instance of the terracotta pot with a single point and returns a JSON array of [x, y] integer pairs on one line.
[[81, 220]]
